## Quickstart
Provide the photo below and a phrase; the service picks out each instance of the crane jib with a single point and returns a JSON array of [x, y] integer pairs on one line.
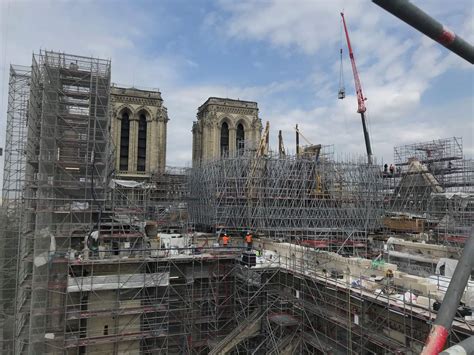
[[360, 96]]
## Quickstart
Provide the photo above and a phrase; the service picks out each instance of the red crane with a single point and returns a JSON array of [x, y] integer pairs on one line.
[[360, 96]]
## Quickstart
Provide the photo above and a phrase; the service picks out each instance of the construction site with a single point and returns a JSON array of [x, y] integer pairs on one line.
[[102, 252]]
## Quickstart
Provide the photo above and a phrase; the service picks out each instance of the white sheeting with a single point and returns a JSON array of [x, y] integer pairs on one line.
[[449, 266], [124, 183], [112, 282], [42, 259], [442, 283], [421, 258], [450, 195], [79, 206]]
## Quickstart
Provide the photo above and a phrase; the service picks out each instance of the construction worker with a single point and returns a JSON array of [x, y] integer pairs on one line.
[[392, 169], [225, 240], [389, 288], [248, 240]]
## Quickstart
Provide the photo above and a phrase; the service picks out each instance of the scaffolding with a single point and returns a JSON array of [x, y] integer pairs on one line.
[[92, 276], [431, 190], [335, 204], [167, 303], [340, 315], [92, 264], [442, 159], [301, 300], [436, 151], [12, 196], [160, 198], [64, 190], [125, 292], [168, 196]]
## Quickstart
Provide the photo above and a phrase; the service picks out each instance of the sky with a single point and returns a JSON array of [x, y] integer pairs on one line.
[[284, 54]]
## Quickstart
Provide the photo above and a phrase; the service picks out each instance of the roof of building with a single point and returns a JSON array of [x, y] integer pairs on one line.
[[228, 102], [132, 91]]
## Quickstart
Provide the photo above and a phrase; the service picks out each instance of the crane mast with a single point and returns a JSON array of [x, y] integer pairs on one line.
[[360, 96]]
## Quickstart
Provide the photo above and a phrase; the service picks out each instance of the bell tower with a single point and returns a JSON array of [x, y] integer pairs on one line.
[[224, 127]]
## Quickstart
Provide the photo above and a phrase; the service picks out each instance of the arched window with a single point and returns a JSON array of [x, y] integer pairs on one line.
[[224, 139], [141, 154], [240, 138], [124, 139]]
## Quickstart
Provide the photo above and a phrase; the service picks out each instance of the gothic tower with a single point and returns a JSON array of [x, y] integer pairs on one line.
[[138, 131], [225, 127]]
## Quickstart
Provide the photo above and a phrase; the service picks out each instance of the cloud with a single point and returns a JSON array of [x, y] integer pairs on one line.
[[396, 63], [305, 25], [397, 66]]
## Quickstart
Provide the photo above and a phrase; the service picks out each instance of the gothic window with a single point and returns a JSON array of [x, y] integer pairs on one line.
[[224, 139], [240, 138], [141, 157], [124, 140]]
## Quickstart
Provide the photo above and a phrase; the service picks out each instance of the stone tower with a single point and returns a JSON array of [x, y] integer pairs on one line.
[[138, 130], [224, 127]]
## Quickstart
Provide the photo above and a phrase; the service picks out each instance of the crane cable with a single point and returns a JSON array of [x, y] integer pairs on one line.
[[342, 91]]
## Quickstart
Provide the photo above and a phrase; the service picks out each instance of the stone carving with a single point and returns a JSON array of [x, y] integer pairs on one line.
[[119, 107]]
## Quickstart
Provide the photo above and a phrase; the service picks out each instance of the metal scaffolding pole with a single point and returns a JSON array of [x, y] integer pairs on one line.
[[417, 18], [440, 330]]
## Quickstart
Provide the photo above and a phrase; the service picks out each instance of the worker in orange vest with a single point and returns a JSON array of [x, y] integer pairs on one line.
[[248, 240], [225, 240]]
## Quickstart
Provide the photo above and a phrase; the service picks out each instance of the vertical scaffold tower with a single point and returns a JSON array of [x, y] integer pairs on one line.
[[432, 182], [66, 177], [12, 195], [332, 204]]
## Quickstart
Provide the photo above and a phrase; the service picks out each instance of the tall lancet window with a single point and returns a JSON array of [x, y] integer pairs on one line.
[[124, 140], [224, 140], [141, 151], [240, 138]]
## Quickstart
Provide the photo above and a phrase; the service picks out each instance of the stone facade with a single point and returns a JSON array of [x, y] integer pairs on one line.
[[224, 127], [138, 129]]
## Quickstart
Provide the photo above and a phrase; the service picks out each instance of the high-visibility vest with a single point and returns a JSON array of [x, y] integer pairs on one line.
[[248, 238], [225, 239]]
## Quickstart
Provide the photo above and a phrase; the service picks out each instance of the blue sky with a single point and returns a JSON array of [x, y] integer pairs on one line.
[[283, 54]]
